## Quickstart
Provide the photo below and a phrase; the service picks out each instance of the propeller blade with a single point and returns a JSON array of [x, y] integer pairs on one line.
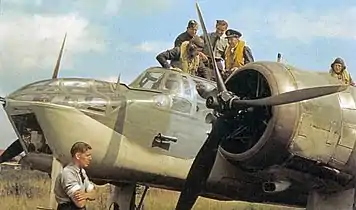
[[292, 96], [219, 81], [56, 69], [12, 151], [201, 168]]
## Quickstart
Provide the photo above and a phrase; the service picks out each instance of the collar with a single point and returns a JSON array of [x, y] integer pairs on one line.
[[186, 32], [233, 48], [75, 167], [221, 37]]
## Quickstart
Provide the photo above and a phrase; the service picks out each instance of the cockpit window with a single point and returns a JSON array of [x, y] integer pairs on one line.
[[186, 86], [150, 80], [207, 85], [41, 83], [172, 85], [103, 86], [73, 83], [76, 85]]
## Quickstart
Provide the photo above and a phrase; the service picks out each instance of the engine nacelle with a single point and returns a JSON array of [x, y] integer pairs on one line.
[[321, 129]]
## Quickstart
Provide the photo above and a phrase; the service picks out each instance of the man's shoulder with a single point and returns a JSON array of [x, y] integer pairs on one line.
[[175, 49], [182, 35], [69, 169]]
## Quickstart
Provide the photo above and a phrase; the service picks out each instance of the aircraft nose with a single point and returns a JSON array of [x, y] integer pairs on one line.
[[80, 93]]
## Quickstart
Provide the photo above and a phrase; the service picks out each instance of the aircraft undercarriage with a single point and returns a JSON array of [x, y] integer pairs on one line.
[[344, 200], [123, 196]]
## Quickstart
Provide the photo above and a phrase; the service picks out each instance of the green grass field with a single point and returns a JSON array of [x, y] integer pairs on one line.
[[25, 190]]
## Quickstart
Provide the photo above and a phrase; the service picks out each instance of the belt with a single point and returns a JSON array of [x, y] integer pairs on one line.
[[216, 59], [69, 206]]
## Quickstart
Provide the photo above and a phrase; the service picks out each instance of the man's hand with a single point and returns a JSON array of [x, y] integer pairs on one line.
[[80, 196], [176, 69], [203, 56]]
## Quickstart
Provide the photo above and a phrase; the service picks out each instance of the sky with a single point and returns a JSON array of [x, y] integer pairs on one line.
[[108, 37]]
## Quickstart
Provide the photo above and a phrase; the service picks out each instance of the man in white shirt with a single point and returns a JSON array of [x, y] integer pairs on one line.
[[72, 187], [219, 45]]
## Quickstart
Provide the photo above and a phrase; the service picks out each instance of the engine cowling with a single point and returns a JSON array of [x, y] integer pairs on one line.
[[321, 130]]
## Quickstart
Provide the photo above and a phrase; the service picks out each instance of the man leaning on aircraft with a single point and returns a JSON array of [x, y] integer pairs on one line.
[[186, 57], [219, 44], [237, 53], [338, 70], [72, 186]]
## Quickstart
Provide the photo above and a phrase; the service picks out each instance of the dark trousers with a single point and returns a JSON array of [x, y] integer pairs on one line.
[[68, 206], [209, 64]]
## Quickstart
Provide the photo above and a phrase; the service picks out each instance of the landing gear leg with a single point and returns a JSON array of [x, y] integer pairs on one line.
[[140, 204], [123, 197]]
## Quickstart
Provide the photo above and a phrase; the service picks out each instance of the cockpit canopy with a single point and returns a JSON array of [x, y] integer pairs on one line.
[[172, 81], [103, 96]]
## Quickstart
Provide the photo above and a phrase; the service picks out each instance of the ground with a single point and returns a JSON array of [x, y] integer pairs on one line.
[[24, 189]]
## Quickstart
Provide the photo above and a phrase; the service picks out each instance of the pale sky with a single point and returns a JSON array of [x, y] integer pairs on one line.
[[109, 37]]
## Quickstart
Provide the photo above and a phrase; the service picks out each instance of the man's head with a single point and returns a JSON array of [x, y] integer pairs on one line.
[[338, 65], [192, 27], [81, 154], [221, 27], [233, 36], [196, 45]]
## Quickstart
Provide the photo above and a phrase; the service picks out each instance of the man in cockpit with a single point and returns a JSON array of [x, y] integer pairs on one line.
[[338, 70], [186, 57]]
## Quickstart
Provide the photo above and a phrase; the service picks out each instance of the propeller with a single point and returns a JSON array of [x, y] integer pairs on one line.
[[12, 151], [223, 102]]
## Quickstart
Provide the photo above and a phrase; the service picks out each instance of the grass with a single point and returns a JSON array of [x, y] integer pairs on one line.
[[24, 189]]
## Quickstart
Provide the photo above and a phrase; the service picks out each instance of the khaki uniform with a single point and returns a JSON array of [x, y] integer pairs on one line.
[[237, 56], [344, 76], [179, 59], [188, 65]]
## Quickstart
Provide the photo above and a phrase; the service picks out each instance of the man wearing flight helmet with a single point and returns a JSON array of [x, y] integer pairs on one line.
[[186, 57], [338, 70]]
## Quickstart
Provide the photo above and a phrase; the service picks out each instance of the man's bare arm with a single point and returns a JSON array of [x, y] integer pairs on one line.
[[90, 193]]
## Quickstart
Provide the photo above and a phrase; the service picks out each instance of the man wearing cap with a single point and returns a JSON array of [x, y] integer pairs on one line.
[[186, 57], [191, 31], [219, 44], [338, 70], [237, 53]]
